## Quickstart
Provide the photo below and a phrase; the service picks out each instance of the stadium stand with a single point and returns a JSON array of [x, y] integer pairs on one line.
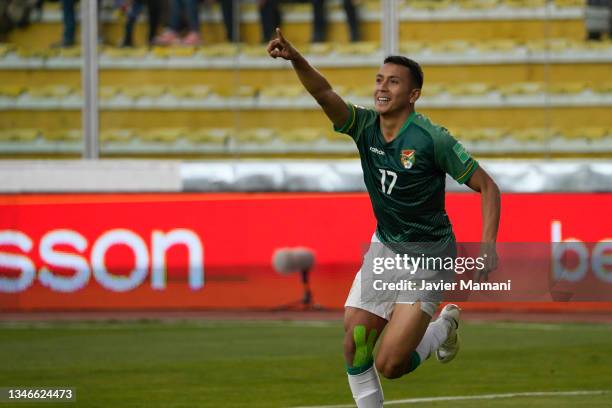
[[495, 71]]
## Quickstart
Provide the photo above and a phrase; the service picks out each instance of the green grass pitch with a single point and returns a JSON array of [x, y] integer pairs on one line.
[[284, 364]]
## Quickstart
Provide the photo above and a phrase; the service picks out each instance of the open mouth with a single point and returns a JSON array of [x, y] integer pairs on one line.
[[382, 100]]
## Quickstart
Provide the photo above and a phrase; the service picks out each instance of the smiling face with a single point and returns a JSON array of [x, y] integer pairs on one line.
[[394, 91]]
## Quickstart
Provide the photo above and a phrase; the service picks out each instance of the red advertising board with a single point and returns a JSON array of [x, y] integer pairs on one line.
[[188, 251]]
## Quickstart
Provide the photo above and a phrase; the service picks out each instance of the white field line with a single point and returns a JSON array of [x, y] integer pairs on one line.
[[476, 397], [155, 323], [547, 326]]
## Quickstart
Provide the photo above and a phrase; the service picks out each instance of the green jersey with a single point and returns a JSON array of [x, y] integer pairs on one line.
[[406, 177]]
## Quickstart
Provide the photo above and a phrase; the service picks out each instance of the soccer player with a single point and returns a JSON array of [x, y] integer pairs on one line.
[[405, 159]]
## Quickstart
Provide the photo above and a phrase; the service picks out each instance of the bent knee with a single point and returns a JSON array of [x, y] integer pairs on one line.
[[390, 368]]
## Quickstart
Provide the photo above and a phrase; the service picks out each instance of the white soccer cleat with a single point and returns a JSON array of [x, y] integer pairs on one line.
[[449, 349]]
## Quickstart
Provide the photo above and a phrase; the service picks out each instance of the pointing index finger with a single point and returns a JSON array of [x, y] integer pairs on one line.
[[280, 35]]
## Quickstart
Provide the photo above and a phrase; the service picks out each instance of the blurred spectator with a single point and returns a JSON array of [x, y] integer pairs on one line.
[[69, 20], [320, 20], [270, 17], [227, 8], [598, 16], [190, 9], [16, 13], [133, 9], [38, 9]]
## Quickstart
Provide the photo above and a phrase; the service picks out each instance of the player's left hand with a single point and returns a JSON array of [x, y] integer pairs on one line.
[[488, 252], [280, 47]]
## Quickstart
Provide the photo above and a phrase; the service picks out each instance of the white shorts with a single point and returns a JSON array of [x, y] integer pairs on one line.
[[382, 308]]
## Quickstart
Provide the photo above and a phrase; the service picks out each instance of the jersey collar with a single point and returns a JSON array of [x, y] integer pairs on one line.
[[407, 123], [404, 127]]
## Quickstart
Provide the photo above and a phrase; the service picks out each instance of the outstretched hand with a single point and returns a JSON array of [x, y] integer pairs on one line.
[[280, 47]]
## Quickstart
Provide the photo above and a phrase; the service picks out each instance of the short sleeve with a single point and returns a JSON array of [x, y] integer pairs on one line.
[[359, 118], [452, 157]]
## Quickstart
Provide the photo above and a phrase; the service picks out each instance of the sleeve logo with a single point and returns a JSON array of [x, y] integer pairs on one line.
[[461, 153]]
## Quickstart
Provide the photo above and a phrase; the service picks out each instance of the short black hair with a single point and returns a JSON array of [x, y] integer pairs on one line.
[[416, 73]]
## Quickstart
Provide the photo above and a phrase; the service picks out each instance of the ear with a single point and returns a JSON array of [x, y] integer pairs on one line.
[[414, 95]]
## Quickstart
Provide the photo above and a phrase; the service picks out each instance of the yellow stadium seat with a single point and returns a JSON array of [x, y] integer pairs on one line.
[[19, 135], [570, 3], [6, 48], [493, 134], [115, 52], [161, 52], [589, 133], [248, 7], [598, 45], [524, 3], [108, 92], [456, 131], [371, 5], [116, 135], [72, 52], [150, 91], [522, 88], [242, 91], [181, 52], [600, 87], [478, 4], [552, 44], [451, 46], [483, 134], [272, 92], [297, 7], [464, 89], [62, 135], [334, 137], [220, 50], [341, 89], [534, 134], [51, 91], [357, 48], [429, 4], [337, 5], [465, 135], [364, 91], [255, 135], [567, 88], [283, 91], [161, 135], [497, 45], [318, 48], [433, 89], [35, 53], [216, 136], [174, 52], [12, 91], [254, 50], [301, 135], [195, 91], [411, 47]]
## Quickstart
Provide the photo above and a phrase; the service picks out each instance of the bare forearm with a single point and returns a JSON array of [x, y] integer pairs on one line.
[[333, 105], [491, 205], [313, 81]]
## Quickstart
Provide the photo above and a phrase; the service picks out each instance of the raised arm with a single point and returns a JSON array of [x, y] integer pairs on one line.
[[315, 83], [481, 182]]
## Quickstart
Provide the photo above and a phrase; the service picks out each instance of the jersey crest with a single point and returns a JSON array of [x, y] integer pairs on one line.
[[407, 157]]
